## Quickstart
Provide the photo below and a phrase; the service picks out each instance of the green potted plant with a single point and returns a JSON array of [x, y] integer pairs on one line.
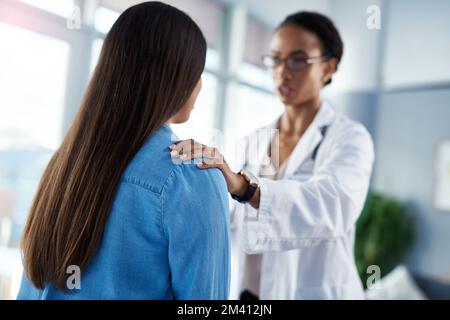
[[383, 234]]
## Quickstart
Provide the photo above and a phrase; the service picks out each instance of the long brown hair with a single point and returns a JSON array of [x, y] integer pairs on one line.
[[150, 62]]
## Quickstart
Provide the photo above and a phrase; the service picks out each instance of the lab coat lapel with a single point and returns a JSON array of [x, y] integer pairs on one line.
[[311, 138]]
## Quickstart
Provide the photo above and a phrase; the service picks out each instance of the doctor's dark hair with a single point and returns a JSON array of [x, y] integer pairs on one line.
[[150, 63], [321, 26]]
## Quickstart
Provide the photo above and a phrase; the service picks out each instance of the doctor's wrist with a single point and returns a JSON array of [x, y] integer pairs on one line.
[[237, 184]]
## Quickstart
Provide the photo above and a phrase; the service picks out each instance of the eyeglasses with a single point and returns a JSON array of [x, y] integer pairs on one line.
[[294, 63]]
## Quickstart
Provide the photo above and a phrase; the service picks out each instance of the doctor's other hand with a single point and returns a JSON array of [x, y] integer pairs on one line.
[[187, 150]]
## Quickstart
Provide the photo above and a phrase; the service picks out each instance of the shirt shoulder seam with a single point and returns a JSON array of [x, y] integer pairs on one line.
[[139, 183]]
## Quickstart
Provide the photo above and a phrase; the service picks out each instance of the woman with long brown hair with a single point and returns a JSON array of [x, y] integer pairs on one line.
[[114, 217]]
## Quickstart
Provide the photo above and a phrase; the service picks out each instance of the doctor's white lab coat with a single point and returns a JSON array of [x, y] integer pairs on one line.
[[305, 225]]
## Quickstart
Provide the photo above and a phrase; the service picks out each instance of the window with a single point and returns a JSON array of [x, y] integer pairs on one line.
[[104, 19], [212, 59], [257, 43], [34, 71], [256, 76], [95, 53], [207, 14], [33, 80], [250, 109], [202, 121]]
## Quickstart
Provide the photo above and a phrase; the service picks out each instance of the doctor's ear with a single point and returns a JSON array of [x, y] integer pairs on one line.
[[330, 67]]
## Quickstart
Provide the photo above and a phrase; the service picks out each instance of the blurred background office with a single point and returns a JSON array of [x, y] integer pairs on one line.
[[394, 78]]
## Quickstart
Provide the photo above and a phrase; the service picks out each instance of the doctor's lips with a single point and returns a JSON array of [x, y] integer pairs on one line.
[[285, 90]]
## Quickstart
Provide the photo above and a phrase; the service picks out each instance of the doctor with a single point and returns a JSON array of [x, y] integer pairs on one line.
[[305, 177]]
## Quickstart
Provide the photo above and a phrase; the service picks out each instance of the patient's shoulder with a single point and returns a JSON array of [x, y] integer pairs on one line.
[[187, 177], [195, 198], [152, 165], [153, 168]]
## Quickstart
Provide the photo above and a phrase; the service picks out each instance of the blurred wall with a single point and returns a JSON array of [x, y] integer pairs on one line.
[[409, 125]]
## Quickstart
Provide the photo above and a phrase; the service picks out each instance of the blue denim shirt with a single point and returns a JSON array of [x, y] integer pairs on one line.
[[167, 236]]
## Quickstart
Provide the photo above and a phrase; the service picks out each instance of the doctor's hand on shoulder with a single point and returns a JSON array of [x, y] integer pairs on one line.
[[242, 186]]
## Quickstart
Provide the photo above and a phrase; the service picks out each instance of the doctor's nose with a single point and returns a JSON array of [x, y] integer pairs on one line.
[[282, 72]]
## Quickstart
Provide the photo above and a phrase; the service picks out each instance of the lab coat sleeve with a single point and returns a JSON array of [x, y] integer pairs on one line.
[[294, 214]]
